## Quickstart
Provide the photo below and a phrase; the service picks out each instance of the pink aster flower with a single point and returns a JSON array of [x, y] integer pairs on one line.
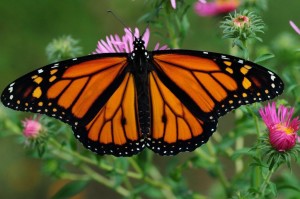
[[295, 27], [282, 127], [173, 3], [216, 7], [117, 44], [32, 128]]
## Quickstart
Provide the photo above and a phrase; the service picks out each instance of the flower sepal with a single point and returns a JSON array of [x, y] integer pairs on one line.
[[274, 158]]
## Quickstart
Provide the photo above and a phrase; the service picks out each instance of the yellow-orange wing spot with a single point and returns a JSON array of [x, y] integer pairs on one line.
[[229, 70], [52, 78], [34, 76], [38, 80], [248, 67], [40, 104], [52, 72], [228, 63], [246, 83], [116, 122], [171, 120], [244, 70], [37, 92]]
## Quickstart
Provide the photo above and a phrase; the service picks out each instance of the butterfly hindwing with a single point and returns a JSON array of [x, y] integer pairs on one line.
[[211, 84], [173, 127]]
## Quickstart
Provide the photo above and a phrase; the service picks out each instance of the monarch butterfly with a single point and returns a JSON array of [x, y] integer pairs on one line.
[[120, 103]]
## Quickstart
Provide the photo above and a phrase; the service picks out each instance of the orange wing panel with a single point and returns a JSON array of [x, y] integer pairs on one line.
[[116, 122], [93, 66], [173, 127], [188, 62], [171, 120]]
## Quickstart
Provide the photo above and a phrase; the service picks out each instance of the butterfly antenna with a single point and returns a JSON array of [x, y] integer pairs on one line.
[[120, 21], [148, 24]]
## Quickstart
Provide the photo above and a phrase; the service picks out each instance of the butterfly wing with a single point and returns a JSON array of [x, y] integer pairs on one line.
[[173, 127], [211, 84], [95, 94]]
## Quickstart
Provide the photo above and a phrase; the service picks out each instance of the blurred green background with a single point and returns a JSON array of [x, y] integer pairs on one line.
[[28, 26]]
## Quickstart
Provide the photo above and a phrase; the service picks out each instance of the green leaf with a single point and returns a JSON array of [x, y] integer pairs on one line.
[[264, 57], [71, 189], [273, 188], [241, 152]]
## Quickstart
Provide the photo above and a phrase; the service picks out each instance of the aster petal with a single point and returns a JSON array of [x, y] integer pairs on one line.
[[146, 36], [295, 27], [173, 3], [164, 47], [208, 9]]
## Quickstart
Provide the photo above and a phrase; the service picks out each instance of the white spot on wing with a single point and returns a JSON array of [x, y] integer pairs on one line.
[[55, 65], [273, 77], [273, 85]]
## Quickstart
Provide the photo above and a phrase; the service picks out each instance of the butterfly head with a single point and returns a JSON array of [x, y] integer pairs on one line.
[[139, 50]]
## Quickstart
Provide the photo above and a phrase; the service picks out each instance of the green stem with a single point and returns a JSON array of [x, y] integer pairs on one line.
[[157, 181], [92, 162], [266, 182], [218, 169], [73, 176], [69, 155], [102, 180], [256, 178], [245, 50], [239, 164]]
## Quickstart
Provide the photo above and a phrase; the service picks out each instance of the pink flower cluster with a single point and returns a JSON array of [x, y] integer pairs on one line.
[[216, 7], [117, 44]]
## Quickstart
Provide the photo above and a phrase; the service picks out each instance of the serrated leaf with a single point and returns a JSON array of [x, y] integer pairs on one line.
[[264, 57], [71, 189]]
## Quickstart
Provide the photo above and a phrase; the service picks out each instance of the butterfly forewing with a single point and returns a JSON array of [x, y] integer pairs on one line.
[[211, 84]]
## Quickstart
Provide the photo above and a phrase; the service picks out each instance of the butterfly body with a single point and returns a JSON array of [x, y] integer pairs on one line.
[[120, 103]]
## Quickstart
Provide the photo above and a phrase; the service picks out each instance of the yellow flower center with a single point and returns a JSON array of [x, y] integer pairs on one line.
[[282, 127]]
